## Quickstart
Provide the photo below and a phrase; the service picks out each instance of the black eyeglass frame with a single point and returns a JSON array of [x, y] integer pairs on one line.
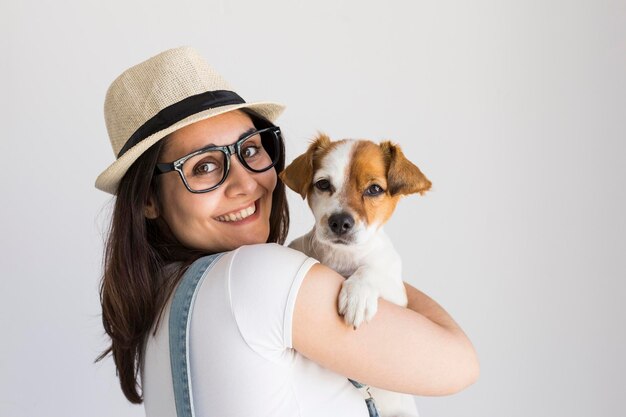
[[228, 151]]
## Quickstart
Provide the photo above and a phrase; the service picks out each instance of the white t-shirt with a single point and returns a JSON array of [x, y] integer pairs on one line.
[[242, 359]]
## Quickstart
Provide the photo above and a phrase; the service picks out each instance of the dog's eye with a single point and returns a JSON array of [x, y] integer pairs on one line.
[[373, 190], [323, 185]]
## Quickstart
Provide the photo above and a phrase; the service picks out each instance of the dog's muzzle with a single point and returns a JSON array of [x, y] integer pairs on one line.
[[340, 223]]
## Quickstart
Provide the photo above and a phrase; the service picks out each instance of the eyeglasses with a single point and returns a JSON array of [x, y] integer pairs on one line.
[[206, 169]]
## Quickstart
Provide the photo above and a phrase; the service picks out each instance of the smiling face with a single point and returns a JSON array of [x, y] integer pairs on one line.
[[236, 213]]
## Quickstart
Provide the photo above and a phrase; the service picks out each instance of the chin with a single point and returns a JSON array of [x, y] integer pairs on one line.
[[247, 239], [254, 241]]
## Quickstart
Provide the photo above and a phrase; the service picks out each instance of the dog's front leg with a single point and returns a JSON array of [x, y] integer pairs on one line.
[[358, 298]]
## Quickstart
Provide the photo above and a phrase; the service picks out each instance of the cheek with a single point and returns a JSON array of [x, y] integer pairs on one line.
[[182, 209], [321, 205], [324, 205], [379, 210], [271, 180], [268, 181]]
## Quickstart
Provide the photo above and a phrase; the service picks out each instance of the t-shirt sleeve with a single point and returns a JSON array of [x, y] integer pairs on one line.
[[263, 284]]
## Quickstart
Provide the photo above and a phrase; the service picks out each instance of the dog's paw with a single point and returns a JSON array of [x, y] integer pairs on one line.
[[358, 301]]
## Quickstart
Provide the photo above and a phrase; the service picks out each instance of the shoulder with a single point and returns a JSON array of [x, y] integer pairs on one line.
[[268, 262], [263, 282], [268, 253]]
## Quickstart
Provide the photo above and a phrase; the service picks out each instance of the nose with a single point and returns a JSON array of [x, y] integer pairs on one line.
[[240, 180], [340, 223]]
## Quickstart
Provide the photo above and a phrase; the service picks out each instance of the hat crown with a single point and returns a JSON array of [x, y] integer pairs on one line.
[[143, 90]]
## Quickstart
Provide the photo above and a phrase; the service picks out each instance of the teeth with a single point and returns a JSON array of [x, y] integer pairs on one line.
[[240, 215]]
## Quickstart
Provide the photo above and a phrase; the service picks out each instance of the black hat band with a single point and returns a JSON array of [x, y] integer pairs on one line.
[[179, 111]]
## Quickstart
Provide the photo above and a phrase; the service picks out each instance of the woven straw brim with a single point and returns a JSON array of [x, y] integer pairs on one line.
[[108, 180]]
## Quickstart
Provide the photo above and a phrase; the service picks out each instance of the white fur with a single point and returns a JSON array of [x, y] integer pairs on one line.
[[334, 167], [367, 259]]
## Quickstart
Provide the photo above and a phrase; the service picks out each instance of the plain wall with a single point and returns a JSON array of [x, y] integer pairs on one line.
[[515, 110]]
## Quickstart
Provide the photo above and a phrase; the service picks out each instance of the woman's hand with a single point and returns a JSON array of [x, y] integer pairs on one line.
[[417, 350]]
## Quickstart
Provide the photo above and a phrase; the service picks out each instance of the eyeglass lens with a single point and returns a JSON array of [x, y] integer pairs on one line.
[[206, 170]]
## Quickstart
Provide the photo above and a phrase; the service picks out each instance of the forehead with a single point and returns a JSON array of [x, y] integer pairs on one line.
[[334, 163], [360, 160], [223, 129], [368, 161]]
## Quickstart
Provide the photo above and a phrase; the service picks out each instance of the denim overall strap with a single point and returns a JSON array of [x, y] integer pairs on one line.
[[179, 325], [371, 405]]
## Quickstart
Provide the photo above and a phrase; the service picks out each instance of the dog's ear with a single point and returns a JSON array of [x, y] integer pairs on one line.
[[298, 175], [403, 177]]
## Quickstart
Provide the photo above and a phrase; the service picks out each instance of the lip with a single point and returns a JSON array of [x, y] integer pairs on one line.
[[341, 241], [247, 220]]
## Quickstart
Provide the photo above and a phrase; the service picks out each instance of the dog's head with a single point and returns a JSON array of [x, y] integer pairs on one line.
[[352, 186]]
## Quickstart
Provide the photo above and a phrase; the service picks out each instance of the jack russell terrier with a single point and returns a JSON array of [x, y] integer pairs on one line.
[[352, 187]]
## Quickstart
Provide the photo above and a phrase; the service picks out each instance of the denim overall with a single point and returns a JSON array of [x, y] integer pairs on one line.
[[179, 325]]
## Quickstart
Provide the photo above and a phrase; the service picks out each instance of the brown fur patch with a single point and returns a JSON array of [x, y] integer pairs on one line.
[[368, 167], [403, 176], [298, 175]]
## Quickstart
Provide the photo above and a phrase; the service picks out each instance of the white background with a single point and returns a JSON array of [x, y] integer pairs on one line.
[[516, 111]]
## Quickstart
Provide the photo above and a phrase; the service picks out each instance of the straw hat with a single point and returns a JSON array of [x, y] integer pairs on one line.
[[160, 95]]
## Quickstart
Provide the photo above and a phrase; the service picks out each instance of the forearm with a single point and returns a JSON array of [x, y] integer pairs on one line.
[[428, 308]]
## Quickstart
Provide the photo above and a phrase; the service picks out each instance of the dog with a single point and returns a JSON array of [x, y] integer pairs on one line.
[[352, 187]]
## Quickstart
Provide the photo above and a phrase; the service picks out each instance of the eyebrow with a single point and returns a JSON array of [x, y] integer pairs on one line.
[[247, 132], [243, 135], [167, 143]]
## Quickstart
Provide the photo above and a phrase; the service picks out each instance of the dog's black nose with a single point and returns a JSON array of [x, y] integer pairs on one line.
[[340, 223]]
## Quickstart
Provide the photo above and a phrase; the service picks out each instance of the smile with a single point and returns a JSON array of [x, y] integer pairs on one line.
[[238, 215]]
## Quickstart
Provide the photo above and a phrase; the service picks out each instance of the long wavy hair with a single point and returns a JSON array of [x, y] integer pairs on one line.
[[134, 288]]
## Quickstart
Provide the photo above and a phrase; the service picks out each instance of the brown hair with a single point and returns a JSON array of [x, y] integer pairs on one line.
[[134, 288]]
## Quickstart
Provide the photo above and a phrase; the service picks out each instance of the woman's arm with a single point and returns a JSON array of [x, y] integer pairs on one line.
[[418, 350], [427, 307]]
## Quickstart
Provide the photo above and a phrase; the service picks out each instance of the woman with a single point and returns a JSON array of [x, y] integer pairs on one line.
[[196, 174]]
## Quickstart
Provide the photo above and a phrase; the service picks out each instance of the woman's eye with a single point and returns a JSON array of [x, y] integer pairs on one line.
[[323, 185], [374, 190], [250, 151], [204, 168]]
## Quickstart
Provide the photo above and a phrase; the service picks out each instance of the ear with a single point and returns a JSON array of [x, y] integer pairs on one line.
[[150, 210], [403, 177], [298, 175]]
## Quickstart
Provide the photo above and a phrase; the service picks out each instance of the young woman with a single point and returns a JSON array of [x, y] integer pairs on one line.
[[196, 174]]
